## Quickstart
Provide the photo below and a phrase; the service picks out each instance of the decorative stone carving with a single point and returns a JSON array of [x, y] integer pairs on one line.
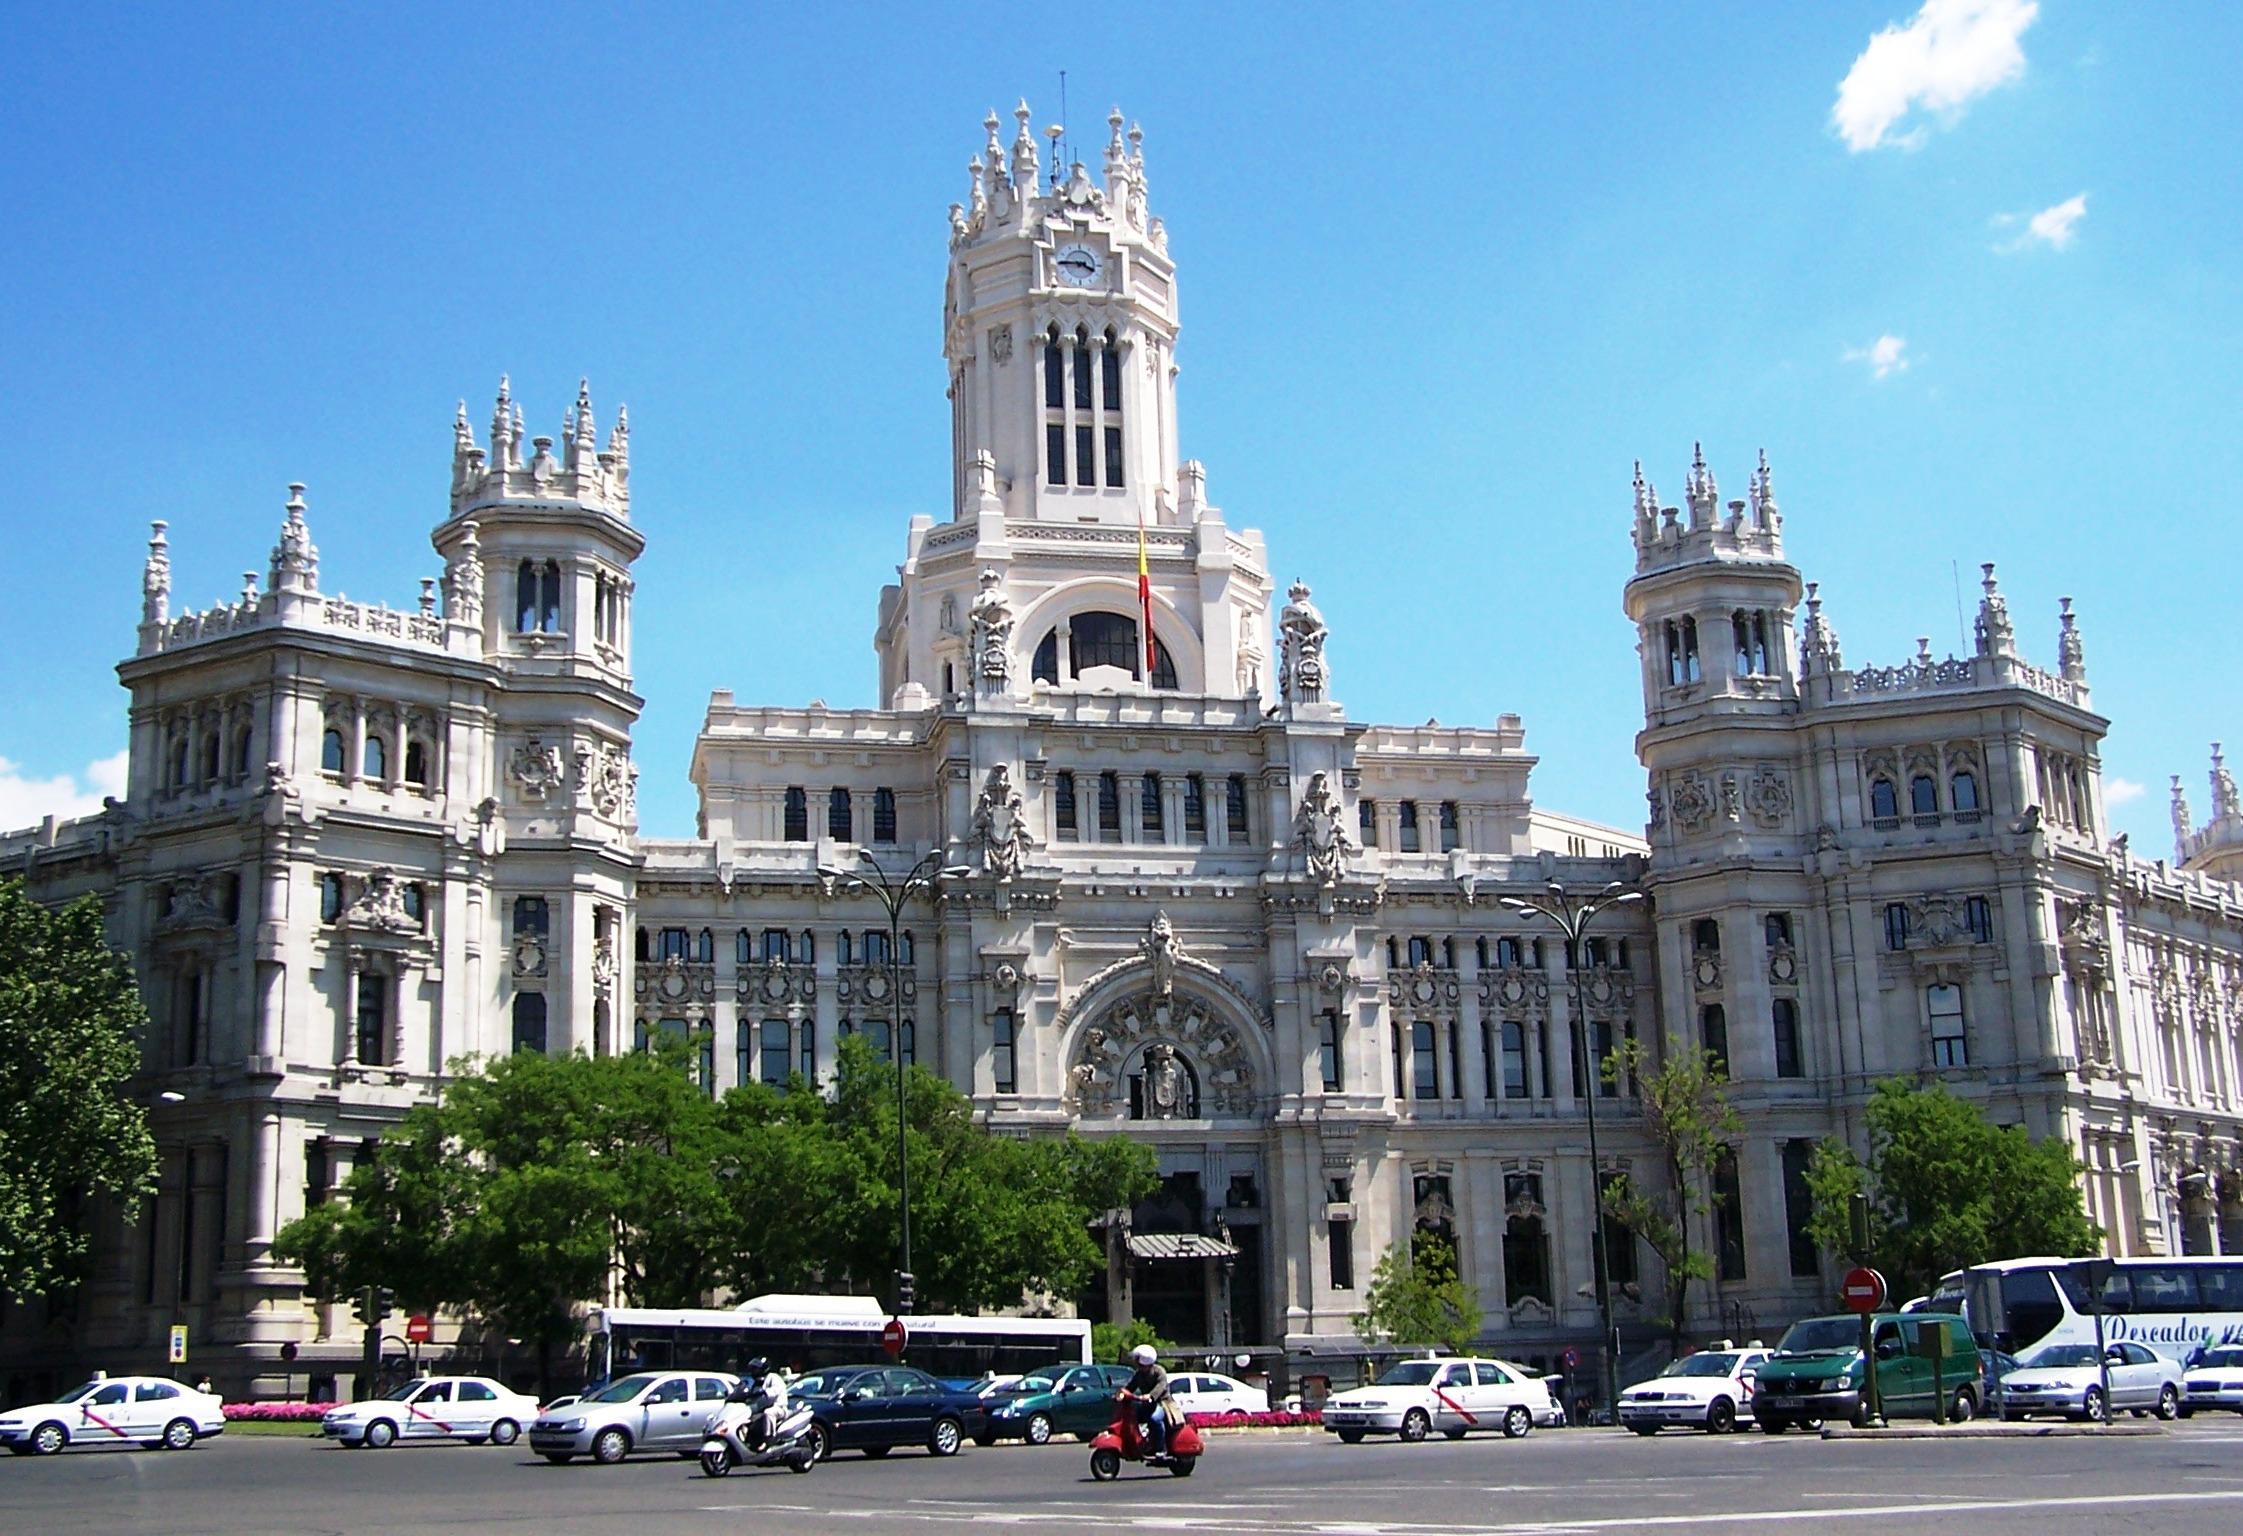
[[1186, 1062], [194, 902], [463, 579], [537, 770], [1939, 919], [1692, 802], [992, 620], [155, 578], [1000, 344], [376, 900], [1251, 654], [1000, 826], [1732, 799], [1320, 832], [1166, 1090], [1301, 631], [1162, 950], [947, 621], [1768, 797], [606, 967], [529, 955], [1515, 991], [1657, 815], [1424, 991], [613, 783]]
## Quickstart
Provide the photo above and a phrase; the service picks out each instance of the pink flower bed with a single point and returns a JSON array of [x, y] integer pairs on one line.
[[1276, 1420], [278, 1413]]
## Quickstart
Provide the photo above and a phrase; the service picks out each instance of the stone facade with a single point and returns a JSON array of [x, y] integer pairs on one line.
[[1183, 896]]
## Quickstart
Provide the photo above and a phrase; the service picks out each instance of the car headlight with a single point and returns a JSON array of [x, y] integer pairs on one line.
[[570, 1426], [1368, 1402]]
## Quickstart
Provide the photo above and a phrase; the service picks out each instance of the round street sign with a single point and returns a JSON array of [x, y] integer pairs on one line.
[[1862, 1290], [892, 1337], [1572, 1358], [418, 1329]]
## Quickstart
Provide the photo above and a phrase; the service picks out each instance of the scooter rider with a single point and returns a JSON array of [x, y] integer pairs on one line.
[[769, 1385], [1148, 1390]]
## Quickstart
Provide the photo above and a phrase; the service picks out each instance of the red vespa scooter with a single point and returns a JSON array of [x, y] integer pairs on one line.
[[1123, 1441]]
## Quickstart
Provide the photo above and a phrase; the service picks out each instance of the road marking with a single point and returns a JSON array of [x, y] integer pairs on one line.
[[1862, 1511]]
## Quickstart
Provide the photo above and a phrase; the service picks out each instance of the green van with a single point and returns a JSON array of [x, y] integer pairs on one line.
[[1816, 1372]]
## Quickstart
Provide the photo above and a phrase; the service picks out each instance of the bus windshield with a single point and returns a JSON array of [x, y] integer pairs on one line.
[[1814, 1335]]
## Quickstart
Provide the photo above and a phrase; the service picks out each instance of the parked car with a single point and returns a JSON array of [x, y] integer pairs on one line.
[[151, 1411], [1710, 1390], [1209, 1392], [565, 1400], [1817, 1372], [2067, 1379], [1997, 1366], [648, 1411], [1416, 1397], [875, 1408], [2215, 1380], [471, 1408], [1074, 1400]]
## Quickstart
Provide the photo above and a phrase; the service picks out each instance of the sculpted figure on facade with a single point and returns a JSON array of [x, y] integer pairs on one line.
[[1000, 826], [992, 620], [1166, 1090], [1163, 949], [1320, 831], [378, 901], [1302, 631], [463, 579], [536, 769]]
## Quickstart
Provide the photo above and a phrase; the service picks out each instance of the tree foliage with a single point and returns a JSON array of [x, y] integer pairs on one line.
[[1687, 1114], [70, 1013], [1415, 1297], [533, 1179], [1946, 1189], [1110, 1343]]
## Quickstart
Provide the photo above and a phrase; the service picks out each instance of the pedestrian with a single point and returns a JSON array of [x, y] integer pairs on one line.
[[202, 1383]]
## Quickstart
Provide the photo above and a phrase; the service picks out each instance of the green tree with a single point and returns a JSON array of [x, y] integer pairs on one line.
[[1415, 1297], [1946, 1189], [1687, 1113], [1110, 1344], [70, 1012]]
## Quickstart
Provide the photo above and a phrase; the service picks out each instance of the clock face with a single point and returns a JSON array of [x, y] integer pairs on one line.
[[1078, 266]]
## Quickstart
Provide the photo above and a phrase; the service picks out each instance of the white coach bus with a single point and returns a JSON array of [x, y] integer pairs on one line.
[[2174, 1306]]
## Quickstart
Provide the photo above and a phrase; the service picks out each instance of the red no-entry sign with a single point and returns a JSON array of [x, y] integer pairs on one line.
[[893, 1336], [1862, 1290], [418, 1329]]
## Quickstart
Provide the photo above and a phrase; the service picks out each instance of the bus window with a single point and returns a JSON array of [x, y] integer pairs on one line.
[[2165, 1288], [2223, 1286], [2031, 1309]]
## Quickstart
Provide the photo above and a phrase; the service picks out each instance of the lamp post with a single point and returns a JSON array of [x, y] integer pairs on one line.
[[892, 894], [1572, 916]]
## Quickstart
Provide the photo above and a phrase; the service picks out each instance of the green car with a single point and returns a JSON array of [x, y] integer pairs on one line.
[[1816, 1372], [1072, 1400]]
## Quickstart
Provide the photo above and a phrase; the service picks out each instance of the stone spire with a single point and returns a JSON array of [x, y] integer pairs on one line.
[[587, 437], [1117, 157], [155, 577], [1703, 494], [463, 579], [1996, 635], [295, 559], [2225, 805], [1024, 160], [506, 428], [1647, 509], [1763, 492], [1818, 639], [619, 435], [2071, 656], [2182, 824]]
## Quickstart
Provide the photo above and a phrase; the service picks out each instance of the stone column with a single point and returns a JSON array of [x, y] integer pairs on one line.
[[1472, 1054]]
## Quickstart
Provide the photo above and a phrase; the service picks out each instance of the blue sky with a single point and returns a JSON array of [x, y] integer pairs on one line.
[[1445, 274]]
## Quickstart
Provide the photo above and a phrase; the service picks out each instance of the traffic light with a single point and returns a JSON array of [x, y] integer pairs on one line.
[[372, 1304], [385, 1302], [906, 1285]]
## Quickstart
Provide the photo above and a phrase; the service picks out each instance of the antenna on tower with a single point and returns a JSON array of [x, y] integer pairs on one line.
[[1063, 124], [1962, 635]]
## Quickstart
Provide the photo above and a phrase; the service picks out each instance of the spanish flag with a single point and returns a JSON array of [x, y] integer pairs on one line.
[[1145, 597]]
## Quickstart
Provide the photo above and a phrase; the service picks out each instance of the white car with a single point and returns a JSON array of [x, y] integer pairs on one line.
[[471, 1408], [2066, 1379], [2215, 1381], [1710, 1390], [647, 1411], [153, 1411], [1456, 1397], [1207, 1392]]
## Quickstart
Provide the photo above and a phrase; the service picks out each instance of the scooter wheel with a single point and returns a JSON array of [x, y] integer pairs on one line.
[[1105, 1464], [1182, 1465], [802, 1461], [716, 1463]]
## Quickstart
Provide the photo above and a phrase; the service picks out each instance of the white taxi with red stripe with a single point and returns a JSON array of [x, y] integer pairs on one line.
[[151, 1411], [471, 1408], [1710, 1390], [1456, 1397]]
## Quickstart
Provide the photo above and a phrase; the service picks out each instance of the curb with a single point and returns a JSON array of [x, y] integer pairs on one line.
[[1983, 1431]]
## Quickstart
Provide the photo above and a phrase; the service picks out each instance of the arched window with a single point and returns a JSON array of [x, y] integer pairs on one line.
[[209, 773], [416, 764], [1884, 800], [839, 825], [1055, 409], [883, 815], [841, 948], [808, 953], [797, 829], [875, 947], [1149, 808], [176, 771], [534, 920], [705, 948], [549, 598], [1425, 1061], [1109, 807], [373, 1019], [1507, 953], [1705, 936], [743, 949], [1690, 672], [1045, 667], [529, 1023], [1923, 796], [1109, 369], [376, 765], [525, 597], [331, 751], [1234, 809], [777, 1057], [875, 1033], [1083, 428], [1526, 1261], [904, 950], [243, 740], [1962, 791], [1100, 639], [1713, 1034]]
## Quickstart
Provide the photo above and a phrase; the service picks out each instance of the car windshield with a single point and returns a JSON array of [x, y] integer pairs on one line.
[[2226, 1359], [817, 1384], [2056, 1356], [75, 1393], [1705, 1363], [1815, 1334], [398, 1394], [620, 1391], [1411, 1373], [1028, 1384]]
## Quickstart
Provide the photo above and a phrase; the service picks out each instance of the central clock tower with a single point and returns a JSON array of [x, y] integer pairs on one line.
[[1060, 330]]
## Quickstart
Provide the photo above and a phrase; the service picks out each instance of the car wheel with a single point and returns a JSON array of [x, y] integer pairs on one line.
[[2091, 1406], [1453, 1434], [1964, 1408], [1415, 1424], [985, 1439], [1645, 1429], [558, 1458], [2185, 1411], [946, 1437], [48, 1439], [1770, 1423], [1516, 1422], [2168, 1402], [820, 1445], [380, 1434], [505, 1432], [875, 1452], [1349, 1436], [1721, 1418], [610, 1446], [179, 1435], [1039, 1429], [1105, 1463]]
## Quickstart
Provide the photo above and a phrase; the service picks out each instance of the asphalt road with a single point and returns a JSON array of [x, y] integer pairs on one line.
[[1264, 1484]]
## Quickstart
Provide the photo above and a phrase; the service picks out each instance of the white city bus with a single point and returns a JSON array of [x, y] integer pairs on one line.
[[805, 1332], [2173, 1307]]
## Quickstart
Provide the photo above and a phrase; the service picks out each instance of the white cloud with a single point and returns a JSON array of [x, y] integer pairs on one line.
[[26, 802], [2119, 791], [1887, 355], [1947, 55], [2056, 225]]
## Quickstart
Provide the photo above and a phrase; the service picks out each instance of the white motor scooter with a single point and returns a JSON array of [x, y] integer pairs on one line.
[[736, 1439]]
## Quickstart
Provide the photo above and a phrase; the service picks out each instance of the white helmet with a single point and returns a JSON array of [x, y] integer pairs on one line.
[[1144, 1354]]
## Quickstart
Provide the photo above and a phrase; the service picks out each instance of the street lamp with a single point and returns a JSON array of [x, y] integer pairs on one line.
[[1572, 917], [892, 894]]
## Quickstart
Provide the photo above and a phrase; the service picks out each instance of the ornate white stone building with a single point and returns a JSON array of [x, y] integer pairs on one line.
[[1184, 896]]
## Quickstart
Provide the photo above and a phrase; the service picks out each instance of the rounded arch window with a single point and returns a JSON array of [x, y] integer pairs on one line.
[[1099, 640]]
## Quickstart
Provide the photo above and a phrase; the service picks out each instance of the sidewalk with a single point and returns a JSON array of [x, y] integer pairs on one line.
[[1989, 1429]]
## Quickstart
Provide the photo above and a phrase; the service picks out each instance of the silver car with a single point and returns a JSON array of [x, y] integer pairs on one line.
[[650, 1411]]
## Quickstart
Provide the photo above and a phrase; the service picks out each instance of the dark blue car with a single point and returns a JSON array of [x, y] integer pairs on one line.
[[875, 1408]]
